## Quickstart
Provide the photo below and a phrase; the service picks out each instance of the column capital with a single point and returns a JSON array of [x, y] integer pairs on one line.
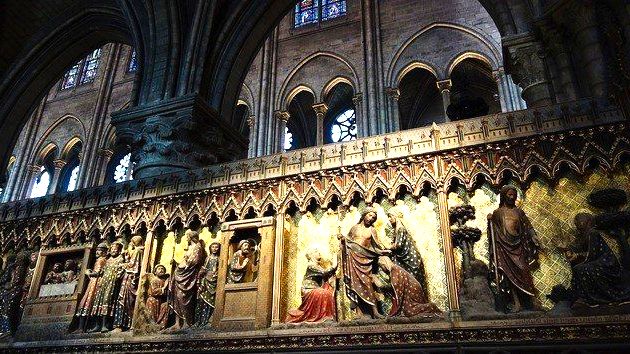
[[251, 121], [357, 99], [282, 116], [320, 108], [33, 167], [444, 85], [393, 93], [498, 74], [106, 153], [59, 164]]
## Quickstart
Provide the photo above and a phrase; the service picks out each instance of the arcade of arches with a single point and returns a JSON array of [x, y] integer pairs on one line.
[[186, 169]]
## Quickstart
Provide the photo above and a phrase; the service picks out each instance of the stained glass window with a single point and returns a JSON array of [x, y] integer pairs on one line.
[[90, 67], [74, 175], [314, 11], [70, 77], [83, 72], [288, 139], [133, 62], [332, 9], [124, 170], [42, 181], [344, 128]]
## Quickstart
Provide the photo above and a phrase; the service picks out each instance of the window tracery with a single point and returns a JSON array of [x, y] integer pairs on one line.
[[344, 127], [124, 169]]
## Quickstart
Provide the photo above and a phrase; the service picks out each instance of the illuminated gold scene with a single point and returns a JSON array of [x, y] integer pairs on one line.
[[320, 176]]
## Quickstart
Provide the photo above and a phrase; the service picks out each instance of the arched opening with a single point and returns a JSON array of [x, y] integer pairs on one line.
[[474, 91], [420, 102], [70, 173], [40, 184], [302, 124], [340, 123]]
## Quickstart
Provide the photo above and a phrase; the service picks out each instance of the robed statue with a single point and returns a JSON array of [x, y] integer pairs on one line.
[[184, 282], [360, 253], [513, 254]]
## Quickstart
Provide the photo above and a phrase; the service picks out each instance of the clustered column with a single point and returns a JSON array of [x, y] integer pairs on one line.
[[320, 110], [509, 92]]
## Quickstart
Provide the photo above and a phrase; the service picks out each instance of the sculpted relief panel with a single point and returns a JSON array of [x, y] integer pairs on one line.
[[388, 244]]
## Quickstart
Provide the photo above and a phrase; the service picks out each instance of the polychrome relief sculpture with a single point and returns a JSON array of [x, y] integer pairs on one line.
[[94, 274], [242, 265], [123, 312], [318, 296], [184, 286], [513, 251], [106, 294], [208, 277], [156, 303], [11, 282]]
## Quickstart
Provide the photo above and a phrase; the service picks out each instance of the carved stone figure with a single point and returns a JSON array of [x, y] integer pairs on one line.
[[513, 254], [28, 278], [208, 286], [11, 283], [241, 265], [85, 306], [184, 282], [55, 275], [156, 303], [69, 273], [409, 298], [123, 311], [404, 250], [600, 274], [318, 298], [108, 287], [360, 252]]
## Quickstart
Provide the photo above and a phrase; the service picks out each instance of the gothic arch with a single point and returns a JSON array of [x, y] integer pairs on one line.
[[492, 63], [50, 51], [333, 82], [354, 79], [441, 72], [416, 64]]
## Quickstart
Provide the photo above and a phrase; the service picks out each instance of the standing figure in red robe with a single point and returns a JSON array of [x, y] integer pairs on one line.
[[318, 297], [360, 252], [513, 254]]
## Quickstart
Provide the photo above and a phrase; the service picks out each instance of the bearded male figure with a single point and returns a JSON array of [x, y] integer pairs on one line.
[[360, 252], [184, 282], [513, 252]]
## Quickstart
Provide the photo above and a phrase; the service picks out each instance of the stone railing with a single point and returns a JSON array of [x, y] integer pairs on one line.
[[430, 139]]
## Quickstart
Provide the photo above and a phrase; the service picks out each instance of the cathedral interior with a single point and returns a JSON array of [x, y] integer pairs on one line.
[[436, 176]]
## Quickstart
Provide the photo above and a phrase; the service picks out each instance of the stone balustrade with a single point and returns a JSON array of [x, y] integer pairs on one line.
[[431, 139]]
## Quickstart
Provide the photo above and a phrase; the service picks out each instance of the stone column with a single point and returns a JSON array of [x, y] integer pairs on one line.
[[509, 93], [54, 179], [283, 118], [374, 92], [251, 148], [393, 94], [527, 64], [566, 86], [320, 110], [357, 100], [445, 89], [104, 156], [176, 135], [581, 19]]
